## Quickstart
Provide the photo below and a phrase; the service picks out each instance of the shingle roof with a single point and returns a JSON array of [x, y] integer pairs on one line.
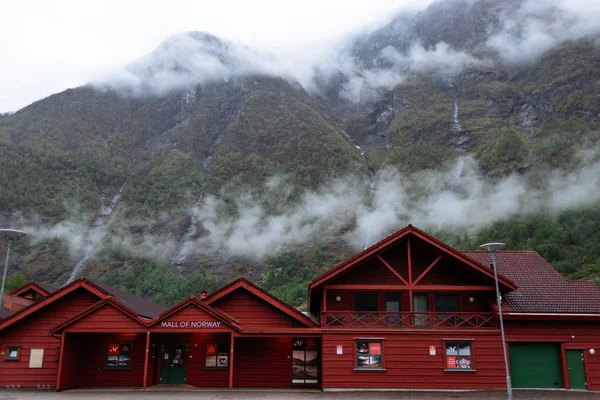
[[4, 313], [139, 305], [46, 287], [541, 288]]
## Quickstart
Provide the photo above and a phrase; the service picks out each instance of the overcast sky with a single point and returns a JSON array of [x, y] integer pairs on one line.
[[49, 46]]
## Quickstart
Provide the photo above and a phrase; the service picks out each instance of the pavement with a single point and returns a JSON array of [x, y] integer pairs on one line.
[[266, 394]]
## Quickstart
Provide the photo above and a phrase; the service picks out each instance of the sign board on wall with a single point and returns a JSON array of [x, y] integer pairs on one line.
[[339, 349], [432, 350], [36, 358], [375, 348], [451, 362], [113, 349], [190, 324]]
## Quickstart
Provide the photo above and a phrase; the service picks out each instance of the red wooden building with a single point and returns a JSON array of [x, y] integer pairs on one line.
[[408, 312]]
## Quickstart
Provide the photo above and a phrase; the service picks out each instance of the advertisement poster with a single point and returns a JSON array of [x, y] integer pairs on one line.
[[339, 349], [432, 350], [375, 348], [222, 360], [451, 362], [211, 349], [113, 349]]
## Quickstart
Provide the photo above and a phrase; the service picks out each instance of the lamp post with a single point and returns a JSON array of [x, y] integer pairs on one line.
[[10, 235], [493, 248]]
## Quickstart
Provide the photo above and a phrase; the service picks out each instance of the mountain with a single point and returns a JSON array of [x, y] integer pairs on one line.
[[206, 160]]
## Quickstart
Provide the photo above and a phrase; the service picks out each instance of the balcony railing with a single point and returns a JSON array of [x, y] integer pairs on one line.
[[408, 320]]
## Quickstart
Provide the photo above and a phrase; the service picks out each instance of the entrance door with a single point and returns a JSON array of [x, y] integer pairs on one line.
[[173, 363], [535, 365], [576, 367], [305, 361]]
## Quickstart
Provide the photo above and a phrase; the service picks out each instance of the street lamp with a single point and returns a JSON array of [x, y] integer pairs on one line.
[[10, 235], [493, 248]]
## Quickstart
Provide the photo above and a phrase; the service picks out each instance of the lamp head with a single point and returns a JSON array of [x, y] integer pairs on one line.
[[492, 247], [11, 234]]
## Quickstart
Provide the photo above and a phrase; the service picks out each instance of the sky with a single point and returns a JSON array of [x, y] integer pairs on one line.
[[47, 47]]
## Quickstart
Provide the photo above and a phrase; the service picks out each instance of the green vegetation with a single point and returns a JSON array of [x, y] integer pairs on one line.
[[15, 281], [505, 153]]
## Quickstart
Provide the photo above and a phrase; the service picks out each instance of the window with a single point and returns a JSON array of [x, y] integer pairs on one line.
[[216, 355], [13, 352], [459, 356], [119, 356], [36, 358], [366, 302], [447, 303], [305, 362], [369, 354]]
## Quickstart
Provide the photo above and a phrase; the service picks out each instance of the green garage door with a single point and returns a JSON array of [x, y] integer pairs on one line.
[[535, 365]]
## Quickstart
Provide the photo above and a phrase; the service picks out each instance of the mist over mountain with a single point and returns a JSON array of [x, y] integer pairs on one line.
[[206, 159]]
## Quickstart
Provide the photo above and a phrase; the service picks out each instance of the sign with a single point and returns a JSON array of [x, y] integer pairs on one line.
[[113, 349], [36, 358], [432, 350], [125, 349], [451, 362], [190, 324], [374, 348], [339, 349], [222, 360], [211, 349]]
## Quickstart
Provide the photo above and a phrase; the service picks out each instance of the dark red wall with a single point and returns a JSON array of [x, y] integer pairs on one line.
[[263, 362], [252, 312]]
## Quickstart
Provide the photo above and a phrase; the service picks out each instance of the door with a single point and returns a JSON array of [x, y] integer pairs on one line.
[[576, 367], [535, 365], [420, 305], [173, 363], [305, 361], [392, 306]]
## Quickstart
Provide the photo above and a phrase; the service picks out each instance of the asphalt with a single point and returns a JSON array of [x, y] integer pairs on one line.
[[187, 393]]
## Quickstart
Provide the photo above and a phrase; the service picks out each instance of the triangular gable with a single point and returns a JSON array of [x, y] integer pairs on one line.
[[243, 283], [95, 317], [31, 286], [192, 310], [59, 294], [391, 241]]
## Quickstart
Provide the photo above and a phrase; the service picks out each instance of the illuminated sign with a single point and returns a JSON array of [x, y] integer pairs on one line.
[[190, 324]]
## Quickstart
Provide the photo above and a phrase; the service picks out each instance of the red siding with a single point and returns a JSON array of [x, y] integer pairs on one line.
[[370, 272], [32, 332], [197, 375], [70, 377], [263, 362], [408, 363], [574, 335], [106, 318], [252, 312], [93, 353]]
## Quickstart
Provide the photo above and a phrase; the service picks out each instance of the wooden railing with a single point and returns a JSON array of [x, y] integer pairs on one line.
[[408, 320]]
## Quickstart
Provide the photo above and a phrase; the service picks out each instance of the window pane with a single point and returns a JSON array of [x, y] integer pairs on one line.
[[211, 361], [363, 362], [112, 361], [365, 302], [447, 303], [392, 302], [464, 349], [124, 361], [362, 347], [464, 362], [451, 349], [375, 362], [13, 353]]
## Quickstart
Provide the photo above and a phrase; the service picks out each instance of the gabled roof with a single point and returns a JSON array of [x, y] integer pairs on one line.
[[4, 313], [541, 288], [263, 295], [15, 303], [393, 239], [192, 300], [141, 306], [40, 288], [108, 301]]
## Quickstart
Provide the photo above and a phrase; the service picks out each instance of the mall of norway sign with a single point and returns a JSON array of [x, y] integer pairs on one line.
[[190, 324]]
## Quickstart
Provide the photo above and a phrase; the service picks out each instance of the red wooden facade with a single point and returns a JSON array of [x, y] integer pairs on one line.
[[409, 312]]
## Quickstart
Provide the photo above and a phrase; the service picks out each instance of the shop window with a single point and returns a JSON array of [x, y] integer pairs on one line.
[[369, 354], [13, 352], [216, 355], [119, 356], [305, 363], [458, 356]]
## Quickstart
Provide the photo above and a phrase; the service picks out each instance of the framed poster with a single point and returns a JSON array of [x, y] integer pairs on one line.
[[36, 358]]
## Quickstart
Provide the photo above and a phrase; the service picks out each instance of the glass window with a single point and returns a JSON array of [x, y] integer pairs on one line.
[[366, 302], [119, 355], [459, 355], [305, 362], [447, 303], [369, 354], [12, 353], [216, 355]]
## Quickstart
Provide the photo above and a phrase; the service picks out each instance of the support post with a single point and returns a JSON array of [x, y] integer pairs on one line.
[[504, 349], [146, 358], [231, 361], [61, 359], [410, 281], [9, 243]]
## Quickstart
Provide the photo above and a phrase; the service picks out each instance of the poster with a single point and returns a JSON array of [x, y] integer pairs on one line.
[[339, 349], [222, 360], [114, 349], [211, 349], [36, 358], [432, 350], [451, 362], [375, 348], [125, 349]]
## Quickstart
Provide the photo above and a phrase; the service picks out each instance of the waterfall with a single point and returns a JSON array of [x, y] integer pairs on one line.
[[371, 175], [96, 233], [456, 126], [187, 242]]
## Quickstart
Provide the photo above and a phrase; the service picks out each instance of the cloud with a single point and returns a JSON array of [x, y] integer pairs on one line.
[[538, 26]]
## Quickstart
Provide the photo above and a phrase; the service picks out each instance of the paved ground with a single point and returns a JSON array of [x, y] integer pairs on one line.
[[9, 394]]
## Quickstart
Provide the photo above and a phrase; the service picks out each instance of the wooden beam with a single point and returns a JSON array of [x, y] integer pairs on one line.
[[412, 287], [409, 261], [452, 287], [231, 361], [368, 287], [410, 300], [60, 361], [392, 269], [145, 385], [427, 270], [324, 299]]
